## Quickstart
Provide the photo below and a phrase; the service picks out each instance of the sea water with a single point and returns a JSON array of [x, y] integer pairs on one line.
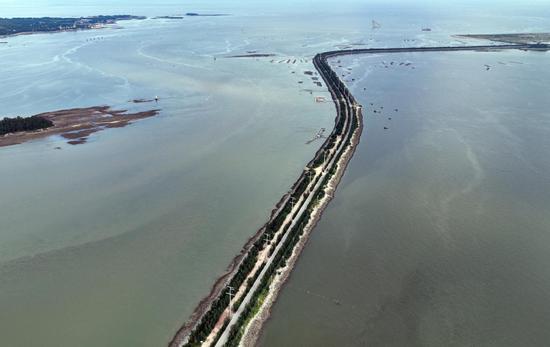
[[114, 242]]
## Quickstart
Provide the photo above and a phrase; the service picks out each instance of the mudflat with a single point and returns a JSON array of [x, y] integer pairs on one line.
[[76, 124]]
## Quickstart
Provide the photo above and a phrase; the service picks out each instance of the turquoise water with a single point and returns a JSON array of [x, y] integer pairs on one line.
[[114, 242]]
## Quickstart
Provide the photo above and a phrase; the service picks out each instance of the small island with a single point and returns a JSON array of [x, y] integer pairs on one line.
[[194, 14], [75, 124], [516, 38], [252, 55], [168, 17], [20, 26]]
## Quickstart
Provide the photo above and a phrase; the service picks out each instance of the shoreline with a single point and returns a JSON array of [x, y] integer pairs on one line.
[[59, 25], [347, 109], [307, 194], [221, 282], [254, 329], [77, 124], [310, 204], [25, 33]]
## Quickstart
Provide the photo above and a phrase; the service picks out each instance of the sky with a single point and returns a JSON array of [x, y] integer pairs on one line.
[[78, 8]]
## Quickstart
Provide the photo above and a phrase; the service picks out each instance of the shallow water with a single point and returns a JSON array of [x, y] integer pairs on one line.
[[439, 232], [114, 242]]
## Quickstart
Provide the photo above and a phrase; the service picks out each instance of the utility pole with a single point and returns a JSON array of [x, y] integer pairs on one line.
[[231, 295], [292, 202], [308, 174]]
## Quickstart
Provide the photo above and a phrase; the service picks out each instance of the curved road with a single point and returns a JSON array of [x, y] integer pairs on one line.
[[346, 108]]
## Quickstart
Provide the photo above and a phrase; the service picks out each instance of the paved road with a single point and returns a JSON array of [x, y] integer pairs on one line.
[[344, 112], [346, 106]]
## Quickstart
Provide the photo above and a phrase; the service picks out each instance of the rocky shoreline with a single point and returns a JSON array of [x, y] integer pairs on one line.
[[256, 311], [339, 147], [255, 327]]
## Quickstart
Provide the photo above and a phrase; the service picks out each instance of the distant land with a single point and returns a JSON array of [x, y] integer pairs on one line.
[[252, 55], [169, 17], [19, 26], [194, 14], [519, 38], [74, 125]]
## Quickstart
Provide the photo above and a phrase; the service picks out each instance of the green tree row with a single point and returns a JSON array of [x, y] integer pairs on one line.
[[11, 26], [295, 233], [13, 125], [209, 320]]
